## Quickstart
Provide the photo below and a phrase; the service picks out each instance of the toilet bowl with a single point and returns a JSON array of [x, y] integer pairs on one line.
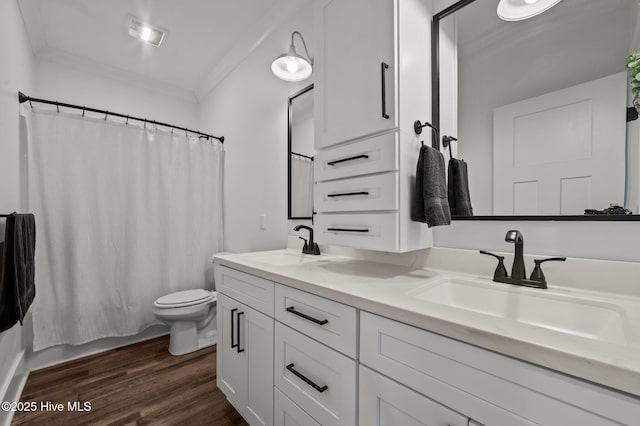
[[190, 315]]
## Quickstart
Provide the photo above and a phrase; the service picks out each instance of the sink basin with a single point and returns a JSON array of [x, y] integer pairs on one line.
[[592, 319], [285, 258]]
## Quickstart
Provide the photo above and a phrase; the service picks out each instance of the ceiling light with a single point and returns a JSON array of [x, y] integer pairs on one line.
[[293, 67], [517, 10], [145, 32]]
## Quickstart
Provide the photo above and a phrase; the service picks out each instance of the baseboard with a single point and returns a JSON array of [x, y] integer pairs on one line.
[[12, 386], [64, 353]]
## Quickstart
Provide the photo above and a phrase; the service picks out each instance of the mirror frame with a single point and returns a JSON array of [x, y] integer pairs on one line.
[[435, 108], [289, 144]]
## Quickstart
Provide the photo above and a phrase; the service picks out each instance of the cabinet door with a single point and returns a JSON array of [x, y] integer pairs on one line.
[[231, 364], [355, 60], [384, 402], [245, 360], [256, 338]]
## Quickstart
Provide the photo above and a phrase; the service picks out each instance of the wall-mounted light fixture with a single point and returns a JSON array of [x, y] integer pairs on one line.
[[293, 67], [517, 10]]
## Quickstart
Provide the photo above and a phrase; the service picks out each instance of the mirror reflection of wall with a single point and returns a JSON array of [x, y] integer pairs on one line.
[[541, 106], [301, 153]]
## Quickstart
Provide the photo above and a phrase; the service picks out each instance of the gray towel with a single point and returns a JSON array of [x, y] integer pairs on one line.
[[459, 195], [430, 203], [17, 286]]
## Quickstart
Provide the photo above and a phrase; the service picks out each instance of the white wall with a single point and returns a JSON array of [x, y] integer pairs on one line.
[[80, 83], [249, 107], [16, 73]]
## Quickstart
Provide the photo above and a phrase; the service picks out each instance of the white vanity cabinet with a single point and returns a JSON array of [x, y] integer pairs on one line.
[[245, 343], [372, 82], [315, 367], [492, 389]]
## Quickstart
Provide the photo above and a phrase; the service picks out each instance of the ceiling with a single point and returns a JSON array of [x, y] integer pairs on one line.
[[201, 35]]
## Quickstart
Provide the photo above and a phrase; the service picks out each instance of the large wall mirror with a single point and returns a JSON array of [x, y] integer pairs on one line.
[[300, 154], [539, 108]]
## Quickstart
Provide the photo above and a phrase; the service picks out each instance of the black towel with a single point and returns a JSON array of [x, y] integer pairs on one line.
[[17, 286], [459, 195], [430, 203]]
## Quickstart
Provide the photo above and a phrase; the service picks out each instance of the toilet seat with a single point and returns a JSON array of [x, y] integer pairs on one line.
[[185, 298]]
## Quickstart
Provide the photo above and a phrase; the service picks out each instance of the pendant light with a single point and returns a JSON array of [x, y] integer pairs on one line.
[[518, 10], [291, 66]]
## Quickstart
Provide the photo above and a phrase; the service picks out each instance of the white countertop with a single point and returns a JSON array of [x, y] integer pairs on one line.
[[389, 290]]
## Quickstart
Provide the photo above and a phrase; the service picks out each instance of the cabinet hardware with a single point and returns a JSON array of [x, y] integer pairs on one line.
[[347, 194], [292, 310], [307, 381], [333, 163], [233, 333], [238, 347], [383, 67], [347, 230]]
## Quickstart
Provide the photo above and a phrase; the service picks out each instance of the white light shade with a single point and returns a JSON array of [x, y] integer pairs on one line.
[[517, 10], [291, 67]]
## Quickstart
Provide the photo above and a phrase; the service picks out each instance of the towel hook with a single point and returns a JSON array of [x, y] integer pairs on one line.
[[417, 128], [446, 142]]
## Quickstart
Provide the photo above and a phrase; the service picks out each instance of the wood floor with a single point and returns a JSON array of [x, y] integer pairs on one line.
[[141, 384]]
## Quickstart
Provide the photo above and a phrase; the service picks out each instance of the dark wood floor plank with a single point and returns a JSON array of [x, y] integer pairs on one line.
[[141, 384]]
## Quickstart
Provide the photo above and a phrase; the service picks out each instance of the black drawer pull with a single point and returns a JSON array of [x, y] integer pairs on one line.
[[347, 230], [357, 157], [238, 348], [383, 67], [292, 310], [233, 333], [307, 381], [347, 194]]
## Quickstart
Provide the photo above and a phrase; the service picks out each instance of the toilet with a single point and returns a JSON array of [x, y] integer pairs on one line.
[[190, 315]]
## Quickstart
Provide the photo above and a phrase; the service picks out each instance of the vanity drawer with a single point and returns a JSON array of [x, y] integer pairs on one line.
[[329, 322], [374, 155], [320, 366], [377, 192], [375, 231], [253, 291], [492, 389], [287, 413]]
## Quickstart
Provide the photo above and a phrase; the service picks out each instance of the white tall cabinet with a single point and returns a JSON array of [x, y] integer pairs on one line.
[[373, 80]]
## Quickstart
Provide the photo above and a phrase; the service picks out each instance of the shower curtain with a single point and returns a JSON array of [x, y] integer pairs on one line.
[[124, 214], [301, 186]]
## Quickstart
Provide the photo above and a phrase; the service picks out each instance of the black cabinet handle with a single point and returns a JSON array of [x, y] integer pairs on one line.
[[357, 157], [347, 194], [238, 348], [292, 310], [383, 67], [233, 333], [307, 381], [347, 230]]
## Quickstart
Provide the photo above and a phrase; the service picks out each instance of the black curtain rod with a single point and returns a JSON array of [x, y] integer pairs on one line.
[[24, 98], [302, 155]]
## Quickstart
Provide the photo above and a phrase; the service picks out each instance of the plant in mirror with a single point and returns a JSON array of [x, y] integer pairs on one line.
[[300, 154], [538, 108]]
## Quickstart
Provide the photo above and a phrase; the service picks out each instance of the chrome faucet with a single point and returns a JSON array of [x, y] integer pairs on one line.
[[518, 271], [310, 247]]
